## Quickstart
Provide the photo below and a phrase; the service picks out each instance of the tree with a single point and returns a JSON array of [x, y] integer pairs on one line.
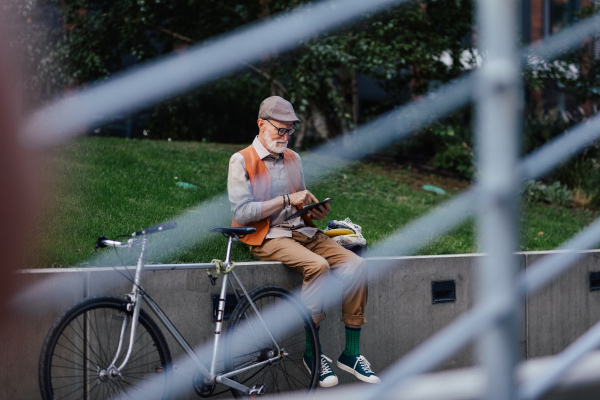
[[400, 48]]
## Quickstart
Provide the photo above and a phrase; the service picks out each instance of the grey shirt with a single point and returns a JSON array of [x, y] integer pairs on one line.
[[246, 210]]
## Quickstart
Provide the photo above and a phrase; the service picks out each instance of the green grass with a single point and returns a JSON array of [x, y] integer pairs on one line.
[[103, 186]]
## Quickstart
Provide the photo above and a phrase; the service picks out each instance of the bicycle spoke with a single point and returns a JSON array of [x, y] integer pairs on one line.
[[89, 335], [250, 342]]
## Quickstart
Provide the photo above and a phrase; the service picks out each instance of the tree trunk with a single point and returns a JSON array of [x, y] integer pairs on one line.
[[349, 92]]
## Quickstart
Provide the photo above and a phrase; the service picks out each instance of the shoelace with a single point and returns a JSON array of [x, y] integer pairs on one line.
[[365, 364], [325, 367]]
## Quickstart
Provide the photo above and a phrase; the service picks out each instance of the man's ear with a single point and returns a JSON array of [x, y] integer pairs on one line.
[[261, 124]]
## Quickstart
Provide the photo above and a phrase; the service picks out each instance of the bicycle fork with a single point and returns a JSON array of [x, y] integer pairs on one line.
[[134, 304]]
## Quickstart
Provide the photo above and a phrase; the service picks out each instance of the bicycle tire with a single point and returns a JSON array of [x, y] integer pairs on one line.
[[248, 344], [83, 340]]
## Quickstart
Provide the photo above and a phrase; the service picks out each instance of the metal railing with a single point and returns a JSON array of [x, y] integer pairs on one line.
[[496, 90]]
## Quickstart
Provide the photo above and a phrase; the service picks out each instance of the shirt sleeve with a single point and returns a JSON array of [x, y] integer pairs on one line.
[[301, 169], [239, 188]]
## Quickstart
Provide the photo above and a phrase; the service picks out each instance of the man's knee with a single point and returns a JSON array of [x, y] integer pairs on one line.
[[315, 270], [355, 263], [352, 270]]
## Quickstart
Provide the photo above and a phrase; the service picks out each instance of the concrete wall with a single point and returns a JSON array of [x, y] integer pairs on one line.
[[563, 310], [400, 311]]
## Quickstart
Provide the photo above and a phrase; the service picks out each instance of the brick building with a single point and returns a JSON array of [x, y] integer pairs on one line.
[[543, 18]]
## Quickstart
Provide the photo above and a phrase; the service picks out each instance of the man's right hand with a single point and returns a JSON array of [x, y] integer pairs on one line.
[[302, 198]]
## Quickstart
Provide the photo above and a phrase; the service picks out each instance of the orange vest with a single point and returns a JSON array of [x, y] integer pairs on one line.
[[261, 188]]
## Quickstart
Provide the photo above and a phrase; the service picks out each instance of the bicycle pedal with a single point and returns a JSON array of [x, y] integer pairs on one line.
[[257, 391]]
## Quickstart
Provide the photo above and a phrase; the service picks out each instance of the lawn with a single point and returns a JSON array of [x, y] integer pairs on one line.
[[108, 186]]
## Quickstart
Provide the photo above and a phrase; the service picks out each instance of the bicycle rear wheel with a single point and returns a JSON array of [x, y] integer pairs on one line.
[[290, 324], [83, 341]]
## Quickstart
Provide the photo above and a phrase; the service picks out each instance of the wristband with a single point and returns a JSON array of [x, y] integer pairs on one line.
[[289, 202], [283, 200]]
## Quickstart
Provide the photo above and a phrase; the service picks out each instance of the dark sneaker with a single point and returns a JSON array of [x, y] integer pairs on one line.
[[359, 367], [328, 378]]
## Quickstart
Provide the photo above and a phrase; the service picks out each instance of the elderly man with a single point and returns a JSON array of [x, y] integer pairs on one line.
[[266, 185]]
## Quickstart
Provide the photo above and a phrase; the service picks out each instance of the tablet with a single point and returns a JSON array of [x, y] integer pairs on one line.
[[307, 208]]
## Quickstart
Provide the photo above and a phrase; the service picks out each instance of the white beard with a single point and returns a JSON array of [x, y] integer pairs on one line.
[[276, 146]]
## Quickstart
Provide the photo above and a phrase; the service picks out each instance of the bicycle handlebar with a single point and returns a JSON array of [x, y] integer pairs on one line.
[[103, 241], [156, 228]]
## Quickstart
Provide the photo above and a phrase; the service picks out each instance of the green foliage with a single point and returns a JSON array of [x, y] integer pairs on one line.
[[457, 158], [400, 48], [445, 144], [555, 193], [582, 174], [542, 126]]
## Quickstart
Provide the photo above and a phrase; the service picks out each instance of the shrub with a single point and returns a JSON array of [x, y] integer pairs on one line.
[[555, 193], [456, 158]]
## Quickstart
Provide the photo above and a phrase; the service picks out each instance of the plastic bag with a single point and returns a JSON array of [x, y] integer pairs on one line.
[[353, 239]]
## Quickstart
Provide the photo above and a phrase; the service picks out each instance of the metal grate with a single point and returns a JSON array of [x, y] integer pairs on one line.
[[496, 92]]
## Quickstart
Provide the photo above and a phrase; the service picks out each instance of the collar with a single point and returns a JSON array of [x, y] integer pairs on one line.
[[262, 150]]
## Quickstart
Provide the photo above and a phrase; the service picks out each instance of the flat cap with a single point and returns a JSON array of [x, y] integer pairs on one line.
[[277, 108]]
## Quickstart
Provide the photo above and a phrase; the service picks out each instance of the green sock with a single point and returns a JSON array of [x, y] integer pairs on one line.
[[308, 351], [352, 342]]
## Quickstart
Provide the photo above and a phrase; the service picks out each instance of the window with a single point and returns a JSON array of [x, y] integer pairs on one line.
[[559, 14]]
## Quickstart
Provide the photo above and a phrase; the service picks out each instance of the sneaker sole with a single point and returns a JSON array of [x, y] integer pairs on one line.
[[368, 379], [325, 383]]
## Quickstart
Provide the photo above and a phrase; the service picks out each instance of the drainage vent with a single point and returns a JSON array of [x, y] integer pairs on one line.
[[444, 292], [594, 281]]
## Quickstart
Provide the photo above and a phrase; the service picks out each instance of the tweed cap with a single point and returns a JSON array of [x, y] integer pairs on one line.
[[277, 108]]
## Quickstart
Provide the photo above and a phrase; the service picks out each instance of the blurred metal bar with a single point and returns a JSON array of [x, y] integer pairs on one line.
[[563, 41], [138, 88], [387, 129], [498, 111], [469, 383], [174, 74], [465, 328], [498, 98], [438, 348], [560, 365], [431, 226], [560, 149], [550, 267]]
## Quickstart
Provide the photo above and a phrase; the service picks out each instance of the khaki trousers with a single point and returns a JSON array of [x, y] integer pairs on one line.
[[315, 258]]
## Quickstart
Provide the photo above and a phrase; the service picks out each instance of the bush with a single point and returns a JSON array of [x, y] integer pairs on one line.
[[456, 158], [555, 193], [583, 175]]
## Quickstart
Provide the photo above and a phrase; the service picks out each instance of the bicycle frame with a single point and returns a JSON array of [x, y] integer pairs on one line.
[[211, 376]]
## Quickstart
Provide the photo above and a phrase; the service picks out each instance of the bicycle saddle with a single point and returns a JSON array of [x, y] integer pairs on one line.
[[231, 231]]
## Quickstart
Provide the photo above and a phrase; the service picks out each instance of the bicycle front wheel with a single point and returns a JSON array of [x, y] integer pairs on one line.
[[287, 331], [81, 344]]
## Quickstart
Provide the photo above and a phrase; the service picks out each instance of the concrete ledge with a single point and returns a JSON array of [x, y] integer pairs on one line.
[[401, 312]]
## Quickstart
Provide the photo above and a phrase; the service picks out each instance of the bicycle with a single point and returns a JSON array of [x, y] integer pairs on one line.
[[110, 347]]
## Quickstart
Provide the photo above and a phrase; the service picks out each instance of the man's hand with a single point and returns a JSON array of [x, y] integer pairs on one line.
[[305, 198], [320, 212], [302, 198]]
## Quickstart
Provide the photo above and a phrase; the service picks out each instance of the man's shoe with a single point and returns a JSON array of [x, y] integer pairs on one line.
[[327, 378], [359, 367]]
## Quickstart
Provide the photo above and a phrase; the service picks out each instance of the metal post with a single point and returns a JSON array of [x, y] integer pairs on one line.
[[498, 103]]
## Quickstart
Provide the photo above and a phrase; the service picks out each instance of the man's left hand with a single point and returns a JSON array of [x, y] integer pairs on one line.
[[320, 212]]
